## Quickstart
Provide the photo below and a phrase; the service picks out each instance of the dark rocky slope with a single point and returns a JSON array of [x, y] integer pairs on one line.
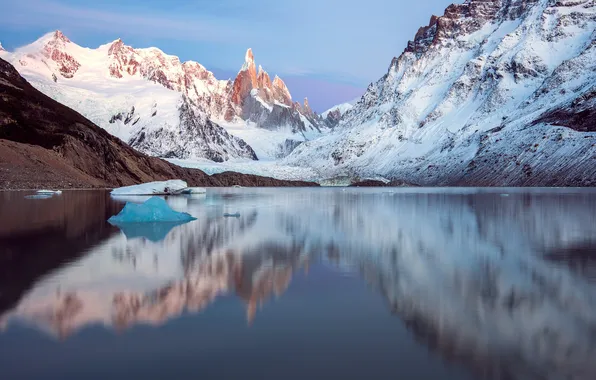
[[46, 144]]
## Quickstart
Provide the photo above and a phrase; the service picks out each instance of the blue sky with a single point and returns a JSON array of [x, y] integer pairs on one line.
[[328, 50]]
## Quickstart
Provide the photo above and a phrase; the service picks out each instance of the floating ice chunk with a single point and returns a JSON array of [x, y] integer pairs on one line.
[[171, 187], [236, 215], [52, 192], [153, 210]]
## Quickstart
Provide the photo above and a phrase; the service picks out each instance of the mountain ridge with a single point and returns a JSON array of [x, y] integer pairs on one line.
[[115, 80], [44, 144], [467, 101]]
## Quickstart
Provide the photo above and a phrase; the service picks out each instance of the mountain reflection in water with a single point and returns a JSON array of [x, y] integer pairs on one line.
[[501, 285]]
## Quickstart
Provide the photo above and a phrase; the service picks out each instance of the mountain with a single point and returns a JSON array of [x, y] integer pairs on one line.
[[334, 114], [492, 93], [46, 144], [158, 104]]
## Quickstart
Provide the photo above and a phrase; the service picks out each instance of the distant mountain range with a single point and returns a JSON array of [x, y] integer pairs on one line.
[[492, 93], [44, 144], [160, 105]]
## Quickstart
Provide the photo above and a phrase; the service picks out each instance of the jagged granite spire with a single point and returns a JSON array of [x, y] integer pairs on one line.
[[246, 80]]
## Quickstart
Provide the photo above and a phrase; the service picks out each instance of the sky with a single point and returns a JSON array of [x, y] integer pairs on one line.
[[326, 50]]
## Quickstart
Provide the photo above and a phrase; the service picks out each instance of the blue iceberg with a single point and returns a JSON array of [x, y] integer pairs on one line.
[[152, 210]]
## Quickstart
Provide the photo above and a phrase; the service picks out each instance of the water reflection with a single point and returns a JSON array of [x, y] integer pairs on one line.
[[154, 232], [503, 285]]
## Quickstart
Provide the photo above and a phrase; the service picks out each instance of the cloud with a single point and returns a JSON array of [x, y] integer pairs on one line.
[[205, 28], [344, 41]]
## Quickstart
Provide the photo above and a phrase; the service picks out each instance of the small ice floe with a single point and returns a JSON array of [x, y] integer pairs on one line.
[[153, 210], [172, 187], [238, 187], [235, 215], [504, 195], [51, 192]]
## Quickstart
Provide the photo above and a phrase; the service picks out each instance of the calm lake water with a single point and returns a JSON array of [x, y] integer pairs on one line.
[[305, 284]]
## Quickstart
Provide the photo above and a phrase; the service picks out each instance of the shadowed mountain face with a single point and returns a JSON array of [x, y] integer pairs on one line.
[[498, 283], [45, 144]]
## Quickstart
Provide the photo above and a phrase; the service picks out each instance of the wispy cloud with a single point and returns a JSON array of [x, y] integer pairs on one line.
[[178, 26], [338, 41]]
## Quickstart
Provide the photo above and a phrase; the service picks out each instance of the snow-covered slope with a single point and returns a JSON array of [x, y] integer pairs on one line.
[[495, 92], [156, 103]]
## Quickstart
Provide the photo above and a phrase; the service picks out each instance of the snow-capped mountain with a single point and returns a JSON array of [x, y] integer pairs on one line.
[[494, 92], [334, 114], [157, 103]]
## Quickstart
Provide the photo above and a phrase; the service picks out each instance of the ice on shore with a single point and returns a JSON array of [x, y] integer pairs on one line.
[[171, 187], [153, 210]]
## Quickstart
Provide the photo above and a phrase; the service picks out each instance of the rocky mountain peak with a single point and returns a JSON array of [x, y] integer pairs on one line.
[[461, 20], [123, 59], [118, 47], [55, 49], [281, 92], [249, 56], [59, 36], [306, 108], [249, 60], [263, 79], [1, 47], [115, 46], [246, 80]]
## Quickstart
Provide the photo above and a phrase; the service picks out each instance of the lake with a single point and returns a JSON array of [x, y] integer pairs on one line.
[[320, 283]]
